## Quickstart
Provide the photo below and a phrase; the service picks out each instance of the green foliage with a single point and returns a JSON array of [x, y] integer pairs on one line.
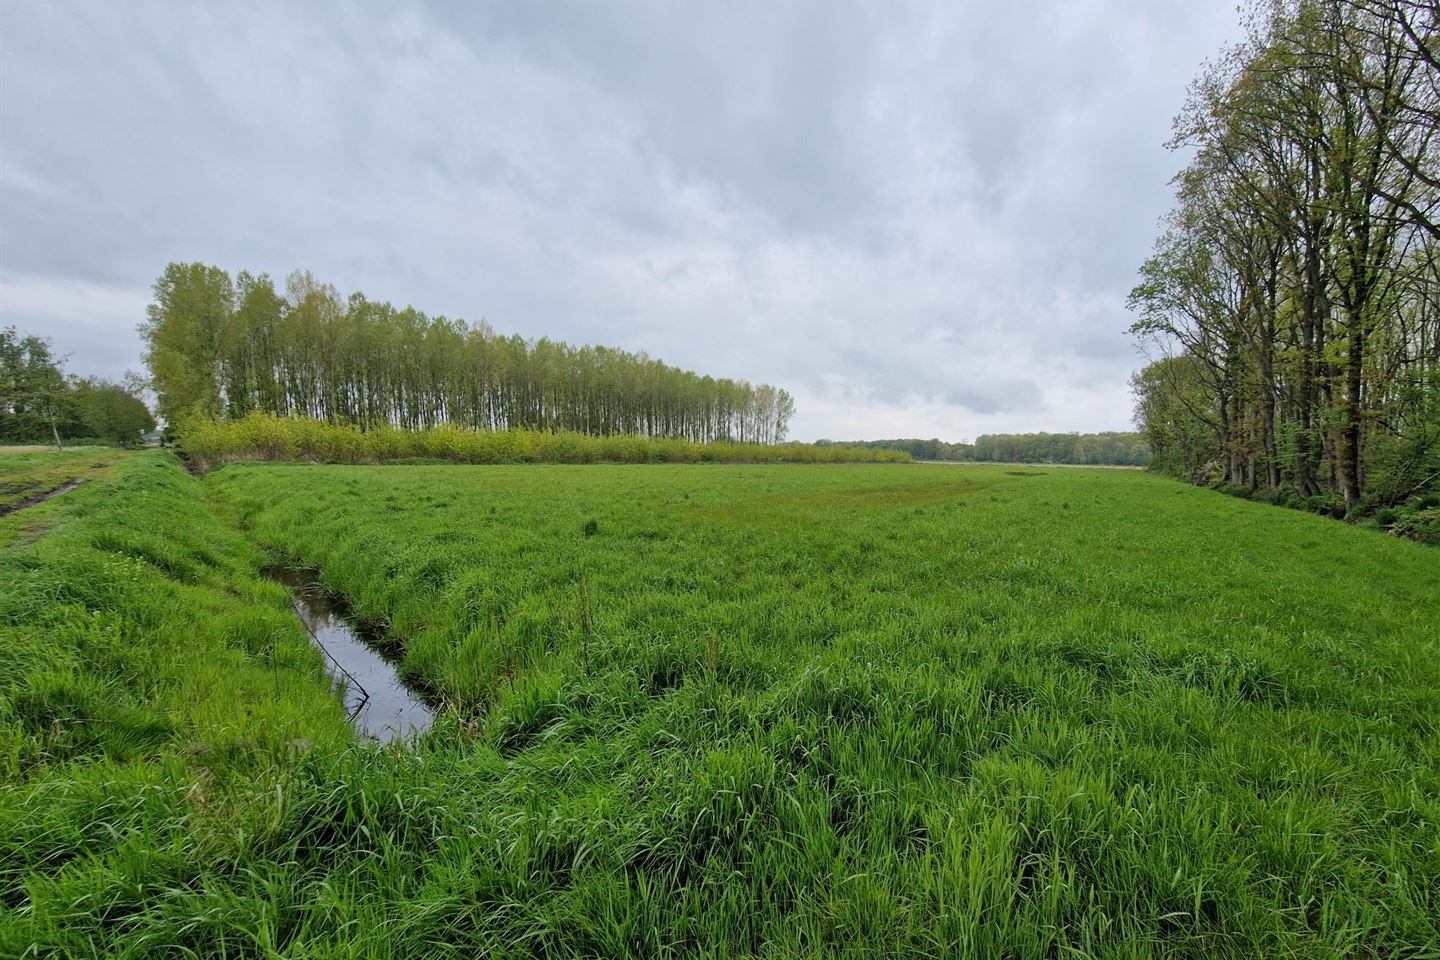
[[857, 712], [38, 403], [1422, 525], [1405, 460], [1292, 291], [185, 331], [34, 398], [209, 443], [108, 412], [917, 449], [1170, 397], [1325, 504], [223, 350], [1094, 449]]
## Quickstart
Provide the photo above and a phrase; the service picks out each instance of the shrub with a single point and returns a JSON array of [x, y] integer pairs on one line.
[[210, 443], [1329, 504], [1422, 525]]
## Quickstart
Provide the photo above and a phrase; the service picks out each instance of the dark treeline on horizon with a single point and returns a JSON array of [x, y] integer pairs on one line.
[[223, 348], [1093, 449], [1295, 293]]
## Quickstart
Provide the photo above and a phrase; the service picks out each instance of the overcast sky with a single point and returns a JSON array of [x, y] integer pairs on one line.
[[921, 219]]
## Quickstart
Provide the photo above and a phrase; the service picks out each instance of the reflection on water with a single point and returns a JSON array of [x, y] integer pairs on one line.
[[380, 705]]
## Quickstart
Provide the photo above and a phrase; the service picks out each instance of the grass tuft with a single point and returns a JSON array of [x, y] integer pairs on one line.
[[855, 712]]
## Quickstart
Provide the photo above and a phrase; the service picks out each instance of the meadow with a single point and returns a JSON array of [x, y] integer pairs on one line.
[[30, 472], [861, 710]]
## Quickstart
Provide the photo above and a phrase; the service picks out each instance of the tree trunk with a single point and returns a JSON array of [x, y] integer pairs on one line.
[[1351, 479]]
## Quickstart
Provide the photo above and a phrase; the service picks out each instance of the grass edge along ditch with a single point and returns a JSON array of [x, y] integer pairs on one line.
[[153, 686], [759, 710]]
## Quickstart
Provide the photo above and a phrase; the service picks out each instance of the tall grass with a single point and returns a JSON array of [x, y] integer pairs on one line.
[[210, 443], [150, 685], [761, 711]]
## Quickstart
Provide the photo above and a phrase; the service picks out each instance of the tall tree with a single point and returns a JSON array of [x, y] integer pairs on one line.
[[1295, 284], [109, 411], [218, 349], [185, 332], [34, 397]]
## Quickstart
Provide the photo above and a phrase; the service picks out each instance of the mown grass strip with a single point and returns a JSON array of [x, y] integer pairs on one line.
[[27, 474]]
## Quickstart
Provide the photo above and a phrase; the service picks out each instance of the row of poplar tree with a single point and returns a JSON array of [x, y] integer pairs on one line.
[[1294, 295], [224, 348]]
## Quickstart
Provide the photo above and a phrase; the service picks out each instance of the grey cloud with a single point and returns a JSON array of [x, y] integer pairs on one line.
[[913, 215], [1015, 396]]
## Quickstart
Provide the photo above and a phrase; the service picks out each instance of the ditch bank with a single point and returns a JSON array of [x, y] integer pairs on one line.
[[380, 705]]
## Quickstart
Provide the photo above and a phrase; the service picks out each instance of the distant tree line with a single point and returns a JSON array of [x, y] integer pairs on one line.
[[40, 403], [222, 348], [1294, 296], [918, 449], [1097, 449]]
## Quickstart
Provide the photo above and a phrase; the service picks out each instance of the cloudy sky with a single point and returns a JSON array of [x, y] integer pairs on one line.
[[922, 219]]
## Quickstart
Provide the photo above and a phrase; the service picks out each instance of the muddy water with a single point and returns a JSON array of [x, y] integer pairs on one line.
[[380, 705]]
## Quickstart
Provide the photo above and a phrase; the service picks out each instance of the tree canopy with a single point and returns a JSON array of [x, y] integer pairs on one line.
[[39, 402], [1293, 298], [219, 348]]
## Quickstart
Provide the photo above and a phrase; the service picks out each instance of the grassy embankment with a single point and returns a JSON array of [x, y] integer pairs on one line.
[[152, 691], [867, 710]]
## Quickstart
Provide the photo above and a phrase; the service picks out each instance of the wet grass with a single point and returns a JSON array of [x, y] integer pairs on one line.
[[27, 472], [762, 711]]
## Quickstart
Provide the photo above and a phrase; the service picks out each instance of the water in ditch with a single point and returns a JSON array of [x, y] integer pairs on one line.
[[380, 705]]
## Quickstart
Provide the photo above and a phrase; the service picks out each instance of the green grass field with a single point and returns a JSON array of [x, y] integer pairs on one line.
[[27, 472], [769, 711]]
